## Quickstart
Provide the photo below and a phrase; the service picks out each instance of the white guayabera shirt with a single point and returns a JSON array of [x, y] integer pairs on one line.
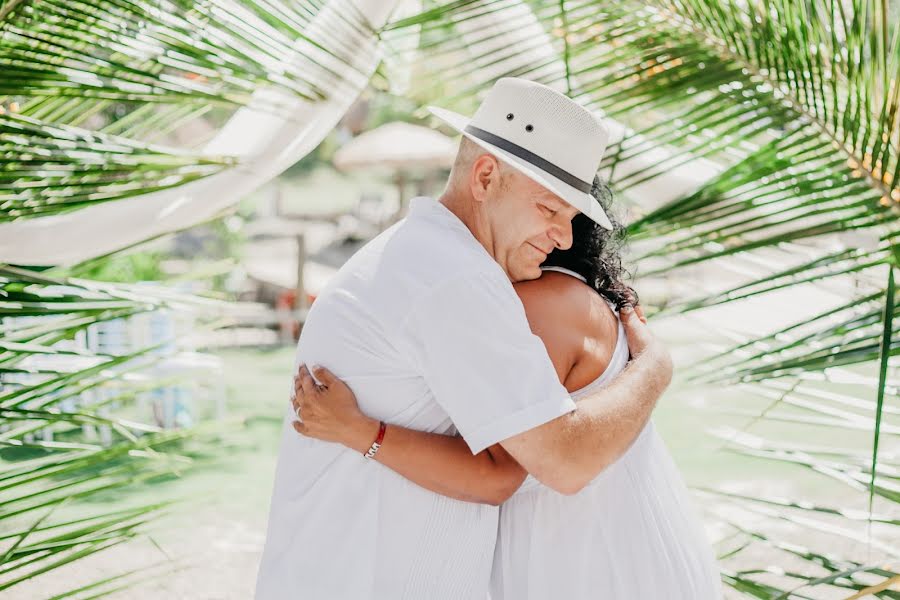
[[427, 330]]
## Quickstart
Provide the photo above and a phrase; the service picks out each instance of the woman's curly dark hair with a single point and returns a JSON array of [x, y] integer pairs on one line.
[[595, 252]]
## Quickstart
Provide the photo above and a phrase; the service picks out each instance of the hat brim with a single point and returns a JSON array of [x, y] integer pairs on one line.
[[587, 204]]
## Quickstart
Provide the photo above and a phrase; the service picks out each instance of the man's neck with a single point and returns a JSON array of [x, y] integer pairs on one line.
[[465, 210]]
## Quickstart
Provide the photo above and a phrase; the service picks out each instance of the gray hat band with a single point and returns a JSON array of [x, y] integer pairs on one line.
[[530, 157]]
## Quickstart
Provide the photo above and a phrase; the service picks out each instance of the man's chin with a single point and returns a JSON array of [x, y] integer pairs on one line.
[[526, 274]]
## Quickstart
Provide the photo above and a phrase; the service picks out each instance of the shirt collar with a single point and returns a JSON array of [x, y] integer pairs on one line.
[[429, 208], [424, 206]]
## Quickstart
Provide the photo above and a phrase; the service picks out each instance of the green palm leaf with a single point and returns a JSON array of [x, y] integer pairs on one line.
[[48, 309], [168, 51], [885, 353], [87, 86], [800, 118], [65, 168]]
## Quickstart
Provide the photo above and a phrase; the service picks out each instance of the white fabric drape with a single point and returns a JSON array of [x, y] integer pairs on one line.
[[266, 143]]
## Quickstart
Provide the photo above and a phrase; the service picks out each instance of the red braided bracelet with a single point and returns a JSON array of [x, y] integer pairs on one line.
[[378, 441]]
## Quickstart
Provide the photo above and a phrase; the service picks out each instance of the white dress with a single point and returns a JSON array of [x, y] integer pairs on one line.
[[631, 534]]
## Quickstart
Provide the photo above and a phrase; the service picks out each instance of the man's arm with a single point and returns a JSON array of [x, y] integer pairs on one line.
[[570, 451]]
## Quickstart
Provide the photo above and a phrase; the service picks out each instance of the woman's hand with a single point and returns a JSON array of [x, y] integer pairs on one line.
[[329, 411]]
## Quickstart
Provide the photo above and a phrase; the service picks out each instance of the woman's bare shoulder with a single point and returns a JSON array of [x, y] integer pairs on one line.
[[574, 321], [557, 297]]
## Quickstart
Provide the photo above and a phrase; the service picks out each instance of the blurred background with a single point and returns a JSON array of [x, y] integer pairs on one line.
[[180, 178]]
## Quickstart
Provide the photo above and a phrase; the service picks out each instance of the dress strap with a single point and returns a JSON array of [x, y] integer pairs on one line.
[[566, 271]]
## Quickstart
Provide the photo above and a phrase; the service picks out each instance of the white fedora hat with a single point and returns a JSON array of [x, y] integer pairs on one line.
[[547, 136]]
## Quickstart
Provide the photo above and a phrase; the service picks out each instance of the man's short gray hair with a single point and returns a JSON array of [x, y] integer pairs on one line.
[[466, 156]]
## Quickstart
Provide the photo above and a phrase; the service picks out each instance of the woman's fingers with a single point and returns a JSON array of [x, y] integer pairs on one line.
[[306, 381], [297, 388], [324, 376], [297, 405], [304, 388], [297, 396]]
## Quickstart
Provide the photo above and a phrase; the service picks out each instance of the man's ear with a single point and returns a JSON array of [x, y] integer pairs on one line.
[[484, 177]]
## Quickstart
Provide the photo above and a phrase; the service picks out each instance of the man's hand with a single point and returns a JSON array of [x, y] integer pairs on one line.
[[329, 411], [631, 300], [641, 341], [639, 311]]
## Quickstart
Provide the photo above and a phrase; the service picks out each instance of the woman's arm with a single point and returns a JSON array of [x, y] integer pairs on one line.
[[440, 463]]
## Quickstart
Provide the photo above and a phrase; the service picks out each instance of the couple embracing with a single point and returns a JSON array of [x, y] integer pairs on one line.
[[476, 423]]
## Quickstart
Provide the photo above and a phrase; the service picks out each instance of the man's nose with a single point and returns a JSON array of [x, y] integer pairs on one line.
[[561, 234]]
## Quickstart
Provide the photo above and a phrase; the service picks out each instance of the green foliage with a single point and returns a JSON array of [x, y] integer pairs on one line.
[[39, 475], [88, 88], [126, 268]]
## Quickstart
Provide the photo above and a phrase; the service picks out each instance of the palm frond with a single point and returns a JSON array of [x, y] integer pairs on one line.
[[88, 88], [51, 169], [209, 51], [885, 353], [702, 79], [48, 461]]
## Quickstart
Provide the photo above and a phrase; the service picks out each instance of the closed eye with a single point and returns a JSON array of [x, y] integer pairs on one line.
[[548, 211]]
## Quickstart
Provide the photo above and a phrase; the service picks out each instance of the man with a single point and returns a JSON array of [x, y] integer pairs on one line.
[[424, 325]]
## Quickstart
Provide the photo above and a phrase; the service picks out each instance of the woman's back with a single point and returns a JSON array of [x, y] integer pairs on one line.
[[576, 324], [635, 518], [582, 333]]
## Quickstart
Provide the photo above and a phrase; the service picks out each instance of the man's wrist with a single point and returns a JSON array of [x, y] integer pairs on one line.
[[657, 364]]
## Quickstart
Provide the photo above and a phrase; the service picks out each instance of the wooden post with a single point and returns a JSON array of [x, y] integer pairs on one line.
[[278, 198], [400, 180], [301, 304]]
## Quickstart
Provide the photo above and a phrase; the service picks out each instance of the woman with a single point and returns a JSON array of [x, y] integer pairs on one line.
[[631, 533]]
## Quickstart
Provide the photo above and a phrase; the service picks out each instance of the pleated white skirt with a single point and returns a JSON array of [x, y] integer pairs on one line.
[[631, 534]]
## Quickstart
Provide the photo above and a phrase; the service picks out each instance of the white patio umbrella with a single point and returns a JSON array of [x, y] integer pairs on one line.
[[397, 145], [400, 149]]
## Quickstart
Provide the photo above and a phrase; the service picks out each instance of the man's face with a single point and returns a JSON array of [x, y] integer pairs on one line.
[[528, 222]]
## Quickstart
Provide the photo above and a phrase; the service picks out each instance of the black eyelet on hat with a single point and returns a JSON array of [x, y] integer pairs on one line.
[[509, 117], [529, 128]]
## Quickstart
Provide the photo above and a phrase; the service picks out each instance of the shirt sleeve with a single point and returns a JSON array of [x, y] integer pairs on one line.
[[482, 362]]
